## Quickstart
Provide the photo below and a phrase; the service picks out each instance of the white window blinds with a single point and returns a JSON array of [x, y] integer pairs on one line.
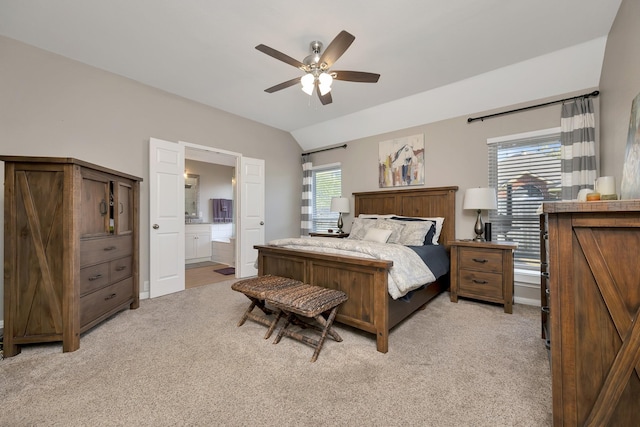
[[525, 170], [327, 183]]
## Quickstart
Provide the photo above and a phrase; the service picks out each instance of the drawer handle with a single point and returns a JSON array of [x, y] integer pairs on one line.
[[96, 277], [103, 207], [110, 248], [480, 282], [112, 296], [121, 267], [481, 261]]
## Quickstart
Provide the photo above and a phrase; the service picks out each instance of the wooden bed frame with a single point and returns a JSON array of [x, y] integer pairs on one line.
[[369, 307]]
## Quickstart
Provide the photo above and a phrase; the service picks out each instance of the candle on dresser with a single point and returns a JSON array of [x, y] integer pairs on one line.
[[606, 185]]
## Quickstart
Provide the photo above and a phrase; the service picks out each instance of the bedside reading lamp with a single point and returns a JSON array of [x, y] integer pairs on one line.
[[341, 205], [478, 199]]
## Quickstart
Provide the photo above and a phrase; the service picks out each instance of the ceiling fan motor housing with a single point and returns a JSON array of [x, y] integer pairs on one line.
[[312, 60]]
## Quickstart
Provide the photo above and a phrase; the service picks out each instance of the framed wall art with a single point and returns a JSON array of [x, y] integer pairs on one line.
[[401, 162], [630, 185]]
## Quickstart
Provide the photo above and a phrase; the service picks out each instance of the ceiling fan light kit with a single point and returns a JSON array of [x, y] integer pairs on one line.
[[317, 68]]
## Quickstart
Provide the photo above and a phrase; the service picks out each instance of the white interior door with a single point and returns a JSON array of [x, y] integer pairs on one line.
[[251, 217], [166, 217]]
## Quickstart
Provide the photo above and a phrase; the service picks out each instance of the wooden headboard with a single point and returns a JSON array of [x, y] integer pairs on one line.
[[419, 202]]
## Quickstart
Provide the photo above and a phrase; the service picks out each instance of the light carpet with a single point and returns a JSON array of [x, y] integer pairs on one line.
[[181, 360]]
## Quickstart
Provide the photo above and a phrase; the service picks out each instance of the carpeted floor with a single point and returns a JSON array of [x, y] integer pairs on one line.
[[181, 360]]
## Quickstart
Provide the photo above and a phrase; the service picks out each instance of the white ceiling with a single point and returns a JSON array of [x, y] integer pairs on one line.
[[204, 50]]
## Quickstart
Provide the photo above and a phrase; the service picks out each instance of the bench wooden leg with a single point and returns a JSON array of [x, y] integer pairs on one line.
[[273, 325], [245, 316], [315, 343], [327, 328]]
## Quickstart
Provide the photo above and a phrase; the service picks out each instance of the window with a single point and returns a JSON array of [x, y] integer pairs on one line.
[[327, 183], [525, 170]]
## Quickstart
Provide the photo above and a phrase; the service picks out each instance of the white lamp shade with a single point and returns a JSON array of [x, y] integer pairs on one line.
[[480, 198], [340, 204], [307, 83], [325, 81]]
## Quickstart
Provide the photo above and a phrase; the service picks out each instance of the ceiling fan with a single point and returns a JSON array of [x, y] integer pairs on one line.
[[317, 68]]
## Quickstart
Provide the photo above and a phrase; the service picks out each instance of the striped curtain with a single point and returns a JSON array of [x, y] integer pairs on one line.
[[578, 153], [306, 208]]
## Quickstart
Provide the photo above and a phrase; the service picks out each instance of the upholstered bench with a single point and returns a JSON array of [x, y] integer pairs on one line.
[[310, 302], [255, 289]]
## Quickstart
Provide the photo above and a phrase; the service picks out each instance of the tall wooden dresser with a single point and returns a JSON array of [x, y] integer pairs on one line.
[[594, 305], [71, 249]]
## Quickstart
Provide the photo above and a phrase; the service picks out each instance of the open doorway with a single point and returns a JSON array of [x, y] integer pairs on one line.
[[210, 228]]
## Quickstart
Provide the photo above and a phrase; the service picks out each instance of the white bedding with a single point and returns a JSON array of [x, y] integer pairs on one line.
[[409, 272]]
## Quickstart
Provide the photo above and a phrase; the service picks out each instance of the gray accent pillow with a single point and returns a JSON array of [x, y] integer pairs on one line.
[[396, 228], [359, 228], [413, 232]]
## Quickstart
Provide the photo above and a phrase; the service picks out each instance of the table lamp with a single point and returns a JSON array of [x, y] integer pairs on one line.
[[478, 199], [341, 205]]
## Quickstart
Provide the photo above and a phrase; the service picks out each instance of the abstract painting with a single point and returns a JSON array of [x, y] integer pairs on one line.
[[630, 186], [401, 162]]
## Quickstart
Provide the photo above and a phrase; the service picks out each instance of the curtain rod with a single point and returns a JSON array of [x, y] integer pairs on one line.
[[324, 149], [586, 95]]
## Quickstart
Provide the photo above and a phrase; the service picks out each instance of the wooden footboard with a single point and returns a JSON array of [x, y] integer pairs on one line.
[[369, 307]]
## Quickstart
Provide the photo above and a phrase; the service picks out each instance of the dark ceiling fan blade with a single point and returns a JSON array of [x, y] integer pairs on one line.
[[326, 98], [280, 56], [283, 85], [336, 48], [356, 76]]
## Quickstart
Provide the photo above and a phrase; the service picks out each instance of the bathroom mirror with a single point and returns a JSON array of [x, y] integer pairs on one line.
[[192, 196]]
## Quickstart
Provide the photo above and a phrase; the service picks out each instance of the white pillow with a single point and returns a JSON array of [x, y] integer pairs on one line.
[[376, 215], [377, 235]]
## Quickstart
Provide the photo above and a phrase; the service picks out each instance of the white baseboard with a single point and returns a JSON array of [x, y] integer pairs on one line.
[[527, 301]]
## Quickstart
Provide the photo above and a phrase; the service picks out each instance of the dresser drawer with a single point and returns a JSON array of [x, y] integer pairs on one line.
[[93, 251], [480, 284], [94, 277], [104, 300], [480, 259], [120, 268]]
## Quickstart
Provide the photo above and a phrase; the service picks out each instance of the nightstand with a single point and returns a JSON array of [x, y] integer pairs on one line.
[[483, 271], [336, 235]]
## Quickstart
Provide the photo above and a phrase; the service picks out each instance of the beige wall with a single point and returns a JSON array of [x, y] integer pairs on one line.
[[54, 106], [619, 85]]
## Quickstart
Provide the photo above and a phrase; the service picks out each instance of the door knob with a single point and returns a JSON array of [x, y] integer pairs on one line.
[[261, 222], [156, 226]]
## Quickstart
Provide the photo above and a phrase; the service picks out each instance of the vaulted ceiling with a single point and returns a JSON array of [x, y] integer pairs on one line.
[[430, 53]]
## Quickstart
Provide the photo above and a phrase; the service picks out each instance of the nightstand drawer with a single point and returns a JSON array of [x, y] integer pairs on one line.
[[481, 259], [480, 284]]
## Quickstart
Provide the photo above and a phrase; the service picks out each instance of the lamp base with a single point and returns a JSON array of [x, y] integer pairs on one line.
[[479, 228], [340, 224]]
